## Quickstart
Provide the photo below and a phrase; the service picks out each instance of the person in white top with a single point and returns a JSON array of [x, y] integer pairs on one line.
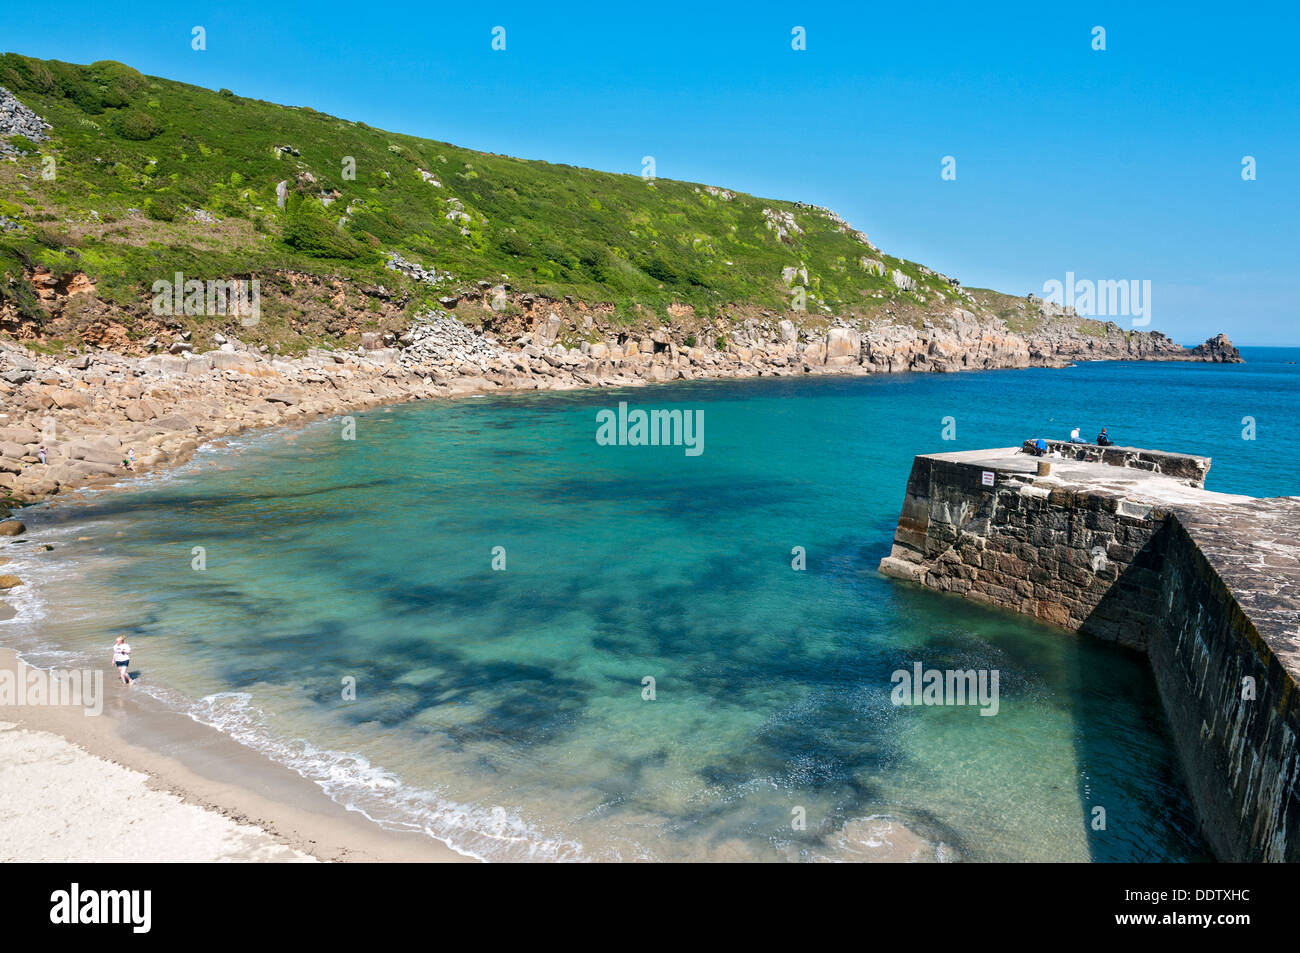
[[122, 658], [1074, 436]]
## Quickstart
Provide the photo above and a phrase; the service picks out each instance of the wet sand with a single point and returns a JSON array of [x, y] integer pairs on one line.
[[141, 783]]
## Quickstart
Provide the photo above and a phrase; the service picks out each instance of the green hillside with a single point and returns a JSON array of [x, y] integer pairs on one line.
[[153, 176]]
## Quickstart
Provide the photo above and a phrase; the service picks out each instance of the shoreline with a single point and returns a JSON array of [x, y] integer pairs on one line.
[[161, 772], [71, 423]]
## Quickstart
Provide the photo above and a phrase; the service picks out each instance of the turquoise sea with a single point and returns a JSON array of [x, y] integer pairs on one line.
[[505, 710]]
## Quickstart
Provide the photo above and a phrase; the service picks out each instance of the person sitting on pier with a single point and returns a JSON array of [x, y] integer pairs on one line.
[[1074, 436], [1103, 440], [1037, 446]]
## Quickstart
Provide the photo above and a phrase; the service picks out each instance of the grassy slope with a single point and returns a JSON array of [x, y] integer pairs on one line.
[[122, 141]]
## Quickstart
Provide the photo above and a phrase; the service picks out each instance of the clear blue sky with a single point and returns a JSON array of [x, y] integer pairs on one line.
[[1122, 164]]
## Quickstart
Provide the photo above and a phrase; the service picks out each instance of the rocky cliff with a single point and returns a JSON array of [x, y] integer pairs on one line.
[[344, 314], [151, 179]]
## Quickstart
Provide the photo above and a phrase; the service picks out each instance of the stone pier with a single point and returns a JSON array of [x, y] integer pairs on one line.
[[1126, 545]]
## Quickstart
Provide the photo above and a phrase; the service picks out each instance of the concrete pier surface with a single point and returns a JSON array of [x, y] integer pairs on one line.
[[1126, 545]]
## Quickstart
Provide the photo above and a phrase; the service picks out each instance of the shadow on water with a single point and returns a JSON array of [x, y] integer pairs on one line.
[[1144, 801], [698, 500], [192, 500], [1120, 735]]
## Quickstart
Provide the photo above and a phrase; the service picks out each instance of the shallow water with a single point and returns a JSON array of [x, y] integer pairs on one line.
[[502, 710]]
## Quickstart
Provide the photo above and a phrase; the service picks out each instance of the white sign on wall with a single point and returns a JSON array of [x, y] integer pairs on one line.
[[988, 477]]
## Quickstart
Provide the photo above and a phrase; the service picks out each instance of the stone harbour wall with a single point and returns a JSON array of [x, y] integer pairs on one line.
[[1238, 746], [1180, 466], [1204, 587], [1082, 561]]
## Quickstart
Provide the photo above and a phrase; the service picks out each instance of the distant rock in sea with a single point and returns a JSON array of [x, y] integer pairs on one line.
[[1218, 349]]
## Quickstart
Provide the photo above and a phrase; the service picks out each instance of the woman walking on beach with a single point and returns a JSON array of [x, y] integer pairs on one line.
[[122, 658]]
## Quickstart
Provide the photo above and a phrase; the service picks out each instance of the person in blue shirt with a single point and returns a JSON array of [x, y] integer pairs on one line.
[[1103, 440]]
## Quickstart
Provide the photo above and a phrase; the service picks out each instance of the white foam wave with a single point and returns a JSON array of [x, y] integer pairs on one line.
[[352, 780]]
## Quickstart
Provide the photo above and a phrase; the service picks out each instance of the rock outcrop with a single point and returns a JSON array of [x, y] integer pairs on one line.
[[89, 411], [1217, 348]]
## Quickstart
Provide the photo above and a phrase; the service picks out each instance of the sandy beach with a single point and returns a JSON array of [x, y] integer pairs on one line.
[[139, 784], [62, 804]]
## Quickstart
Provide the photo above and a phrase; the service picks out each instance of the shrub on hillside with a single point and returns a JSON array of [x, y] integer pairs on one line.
[[381, 222], [51, 236], [161, 208], [660, 270], [513, 244], [93, 88], [17, 292], [554, 251], [231, 208], [118, 83], [309, 232], [136, 125]]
